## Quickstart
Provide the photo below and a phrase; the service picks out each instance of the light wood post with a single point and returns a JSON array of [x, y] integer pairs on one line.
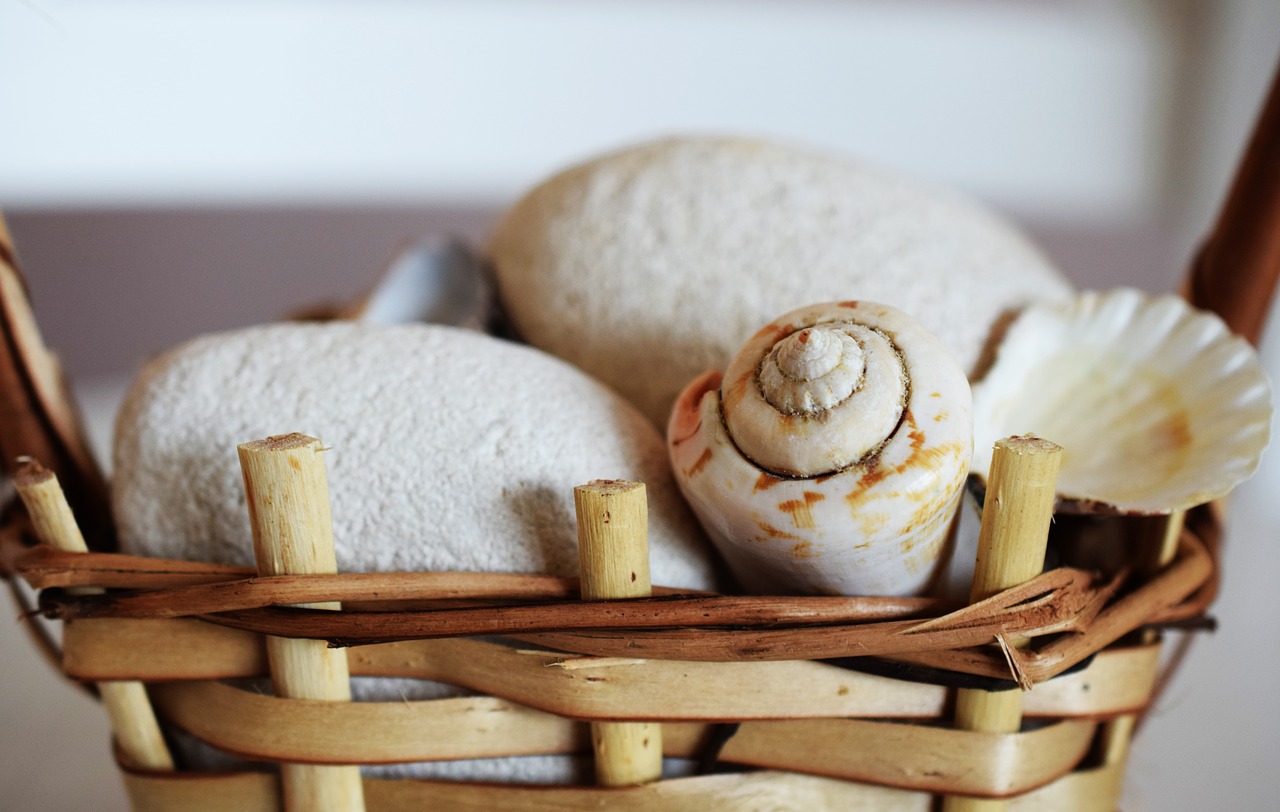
[[288, 499], [133, 720], [1011, 547], [613, 551], [1117, 734]]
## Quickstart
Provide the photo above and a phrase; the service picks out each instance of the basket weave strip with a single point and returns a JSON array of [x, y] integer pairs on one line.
[[767, 791], [1056, 601], [174, 581], [1117, 681], [1060, 600], [928, 758], [317, 732], [933, 759], [235, 603], [1158, 600], [215, 589], [1183, 590]]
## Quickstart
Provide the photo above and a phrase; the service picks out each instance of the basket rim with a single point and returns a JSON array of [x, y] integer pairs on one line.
[[676, 625]]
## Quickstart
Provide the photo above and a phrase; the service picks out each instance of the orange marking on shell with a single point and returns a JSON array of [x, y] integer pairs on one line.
[[872, 474], [920, 457], [732, 392], [800, 509], [774, 332], [1175, 431], [923, 556], [803, 550], [699, 464], [686, 415], [766, 481], [904, 547], [915, 434], [771, 532], [872, 523]]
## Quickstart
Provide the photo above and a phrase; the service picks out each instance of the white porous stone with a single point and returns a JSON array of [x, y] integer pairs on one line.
[[449, 450], [651, 265]]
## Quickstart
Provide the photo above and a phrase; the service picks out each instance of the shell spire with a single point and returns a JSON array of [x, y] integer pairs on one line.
[[812, 370], [818, 381]]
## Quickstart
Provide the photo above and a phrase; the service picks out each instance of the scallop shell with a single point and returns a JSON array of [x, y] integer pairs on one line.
[[843, 480], [1157, 405]]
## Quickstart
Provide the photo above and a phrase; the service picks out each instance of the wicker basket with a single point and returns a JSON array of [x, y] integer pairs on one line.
[[785, 703]]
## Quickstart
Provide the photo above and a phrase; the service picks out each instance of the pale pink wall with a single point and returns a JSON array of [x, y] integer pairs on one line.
[[111, 288]]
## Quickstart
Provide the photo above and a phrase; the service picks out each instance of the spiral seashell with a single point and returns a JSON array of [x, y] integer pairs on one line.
[[830, 456]]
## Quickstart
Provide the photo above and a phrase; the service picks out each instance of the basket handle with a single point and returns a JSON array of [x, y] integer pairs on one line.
[[1236, 271], [38, 417]]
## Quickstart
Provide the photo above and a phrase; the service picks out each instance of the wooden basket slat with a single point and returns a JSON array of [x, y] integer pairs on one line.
[[272, 728], [930, 759], [927, 758], [205, 791], [159, 650], [1092, 790], [739, 792], [1117, 681]]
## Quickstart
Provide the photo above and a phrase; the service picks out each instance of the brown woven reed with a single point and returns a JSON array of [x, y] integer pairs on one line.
[[706, 660], [774, 684]]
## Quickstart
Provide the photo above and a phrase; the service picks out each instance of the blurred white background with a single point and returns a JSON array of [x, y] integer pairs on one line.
[[173, 168]]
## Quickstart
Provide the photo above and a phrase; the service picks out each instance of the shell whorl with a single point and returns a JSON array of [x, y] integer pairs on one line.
[[817, 399], [812, 370]]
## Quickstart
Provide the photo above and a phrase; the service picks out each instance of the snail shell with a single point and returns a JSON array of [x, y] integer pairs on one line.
[[831, 455]]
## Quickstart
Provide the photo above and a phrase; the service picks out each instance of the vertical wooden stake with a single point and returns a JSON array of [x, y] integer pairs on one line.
[[1118, 733], [613, 551], [133, 720], [288, 497], [1011, 547]]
